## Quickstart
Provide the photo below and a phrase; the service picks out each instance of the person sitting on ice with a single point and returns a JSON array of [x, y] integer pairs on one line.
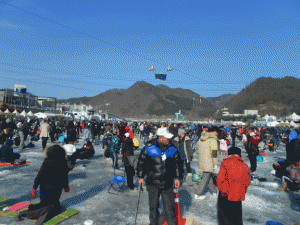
[[7, 154], [292, 180], [52, 178], [86, 152]]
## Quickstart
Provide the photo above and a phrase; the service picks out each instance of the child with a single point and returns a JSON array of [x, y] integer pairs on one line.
[[223, 147], [232, 183]]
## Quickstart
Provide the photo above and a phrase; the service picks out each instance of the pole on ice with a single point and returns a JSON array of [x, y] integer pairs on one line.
[[137, 210]]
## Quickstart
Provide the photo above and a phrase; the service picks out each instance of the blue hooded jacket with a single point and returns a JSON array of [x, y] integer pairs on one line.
[[292, 135]]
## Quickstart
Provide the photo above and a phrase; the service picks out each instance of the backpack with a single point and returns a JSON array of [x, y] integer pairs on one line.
[[135, 142]]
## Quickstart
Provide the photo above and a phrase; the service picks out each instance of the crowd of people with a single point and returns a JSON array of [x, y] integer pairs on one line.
[[167, 149]]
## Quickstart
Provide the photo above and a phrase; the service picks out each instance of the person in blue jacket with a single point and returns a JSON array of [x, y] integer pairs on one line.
[[293, 134], [7, 154], [161, 164]]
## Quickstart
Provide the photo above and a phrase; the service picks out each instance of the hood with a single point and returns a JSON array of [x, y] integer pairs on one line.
[[9, 143], [206, 135], [186, 138], [55, 152], [292, 135], [234, 158]]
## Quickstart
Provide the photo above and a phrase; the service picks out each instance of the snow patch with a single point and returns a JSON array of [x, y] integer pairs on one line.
[[4, 172], [253, 201], [270, 184]]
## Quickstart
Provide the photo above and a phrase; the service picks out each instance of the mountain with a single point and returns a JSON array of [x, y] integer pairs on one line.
[[146, 100], [276, 96], [220, 100]]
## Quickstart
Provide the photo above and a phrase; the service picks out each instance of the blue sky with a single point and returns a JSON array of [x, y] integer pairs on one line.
[[78, 48]]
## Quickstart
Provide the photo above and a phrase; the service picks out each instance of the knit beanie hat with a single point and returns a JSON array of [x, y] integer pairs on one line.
[[181, 131], [235, 151]]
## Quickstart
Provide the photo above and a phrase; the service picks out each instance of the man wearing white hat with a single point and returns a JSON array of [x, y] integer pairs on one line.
[[161, 164]]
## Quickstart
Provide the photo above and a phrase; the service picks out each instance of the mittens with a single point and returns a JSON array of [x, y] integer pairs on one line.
[[33, 193]]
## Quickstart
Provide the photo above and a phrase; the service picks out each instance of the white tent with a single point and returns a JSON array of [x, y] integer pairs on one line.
[[29, 113], [294, 116], [40, 115], [272, 124], [23, 113], [292, 123], [6, 111], [16, 112]]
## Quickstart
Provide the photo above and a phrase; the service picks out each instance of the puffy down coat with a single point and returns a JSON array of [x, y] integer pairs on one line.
[[161, 164]]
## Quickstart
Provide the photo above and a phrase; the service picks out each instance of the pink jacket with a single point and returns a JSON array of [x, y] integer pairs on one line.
[[223, 145]]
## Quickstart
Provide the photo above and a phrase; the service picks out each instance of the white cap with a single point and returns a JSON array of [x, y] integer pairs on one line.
[[127, 135], [252, 134], [164, 133]]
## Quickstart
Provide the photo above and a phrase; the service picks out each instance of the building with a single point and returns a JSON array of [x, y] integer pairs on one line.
[[19, 97], [250, 112], [74, 107], [246, 113]]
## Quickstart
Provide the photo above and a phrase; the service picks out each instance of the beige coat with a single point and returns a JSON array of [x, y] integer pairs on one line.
[[45, 128], [206, 145]]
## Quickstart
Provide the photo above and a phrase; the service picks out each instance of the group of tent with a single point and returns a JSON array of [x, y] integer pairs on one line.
[[39, 115], [19, 114]]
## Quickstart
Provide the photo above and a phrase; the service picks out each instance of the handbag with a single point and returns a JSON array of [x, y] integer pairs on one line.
[[130, 160]]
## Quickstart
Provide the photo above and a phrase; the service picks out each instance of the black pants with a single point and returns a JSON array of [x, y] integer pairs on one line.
[[229, 212], [187, 166], [233, 141], [52, 137], [129, 173], [44, 142], [169, 204], [253, 161]]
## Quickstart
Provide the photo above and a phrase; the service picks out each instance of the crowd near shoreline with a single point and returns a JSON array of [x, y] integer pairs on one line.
[[165, 153]]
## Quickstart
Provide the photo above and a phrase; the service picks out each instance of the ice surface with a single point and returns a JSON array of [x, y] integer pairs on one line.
[[89, 193]]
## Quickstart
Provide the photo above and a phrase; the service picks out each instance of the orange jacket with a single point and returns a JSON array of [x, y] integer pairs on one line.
[[233, 178]]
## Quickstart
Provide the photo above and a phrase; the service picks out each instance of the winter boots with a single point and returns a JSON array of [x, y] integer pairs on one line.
[[190, 176], [284, 187]]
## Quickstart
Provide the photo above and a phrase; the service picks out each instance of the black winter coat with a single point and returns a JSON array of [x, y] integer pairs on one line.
[[52, 178], [293, 151], [159, 173], [127, 147]]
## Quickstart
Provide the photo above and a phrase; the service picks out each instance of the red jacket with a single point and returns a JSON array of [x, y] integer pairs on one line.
[[127, 130], [233, 178]]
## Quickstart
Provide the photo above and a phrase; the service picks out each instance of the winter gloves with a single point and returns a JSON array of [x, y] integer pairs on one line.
[[33, 193]]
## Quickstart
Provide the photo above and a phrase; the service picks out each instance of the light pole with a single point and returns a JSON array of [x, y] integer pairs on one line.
[[107, 104]]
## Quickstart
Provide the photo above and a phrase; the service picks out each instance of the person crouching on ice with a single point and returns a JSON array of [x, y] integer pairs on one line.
[[86, 152], [232, 183], [161, 164], [52, 179]]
